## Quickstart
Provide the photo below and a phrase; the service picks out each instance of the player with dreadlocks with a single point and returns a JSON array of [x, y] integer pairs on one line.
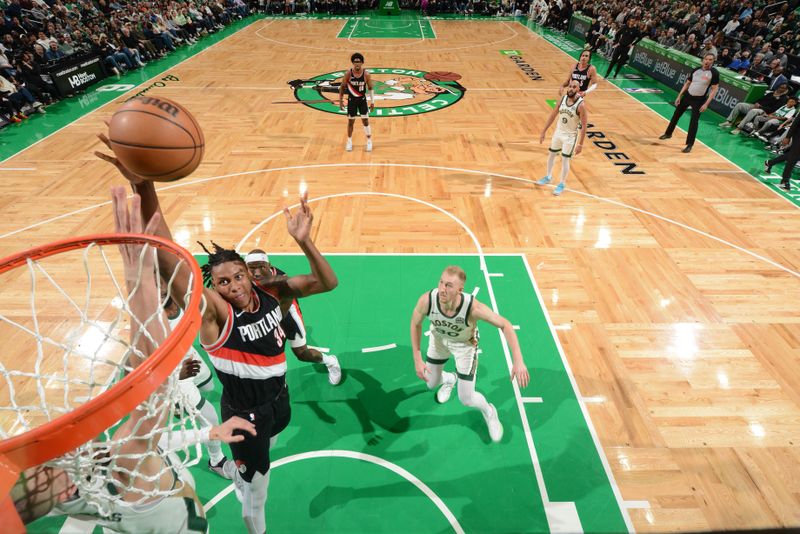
[[242, 334]]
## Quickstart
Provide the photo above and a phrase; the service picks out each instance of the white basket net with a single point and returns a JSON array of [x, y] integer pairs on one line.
[[66, 325]]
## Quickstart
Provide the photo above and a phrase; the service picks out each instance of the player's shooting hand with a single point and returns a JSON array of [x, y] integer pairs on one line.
[[578, 149], [371, 105], [421, 369], [341, 104], [124, 171], [130, 222], [678, 100], [541, 138], [520, 372], [189, 368], [299, 222], [703, 108], [225, 431]]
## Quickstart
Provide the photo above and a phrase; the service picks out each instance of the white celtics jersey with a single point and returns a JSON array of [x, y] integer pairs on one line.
[[455, 328], [568, 120]]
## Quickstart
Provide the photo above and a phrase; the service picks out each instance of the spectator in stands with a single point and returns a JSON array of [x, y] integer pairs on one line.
[[768, 103], [769, 123], [741, 61], [146, 47], [725, 58], [133, 54], [775, 78], [732, 25], [54, 53], [708, 48], [161, 39], [668, 39], [66, 46], [114, 59], [19, 96]]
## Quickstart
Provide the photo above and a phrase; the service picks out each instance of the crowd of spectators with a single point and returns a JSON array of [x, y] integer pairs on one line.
[[37, 35], [759, 41]]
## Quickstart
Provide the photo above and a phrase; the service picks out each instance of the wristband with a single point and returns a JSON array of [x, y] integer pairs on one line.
[[203, 434]]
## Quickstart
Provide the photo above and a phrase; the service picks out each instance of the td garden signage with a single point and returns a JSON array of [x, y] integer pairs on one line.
[[398, 92]]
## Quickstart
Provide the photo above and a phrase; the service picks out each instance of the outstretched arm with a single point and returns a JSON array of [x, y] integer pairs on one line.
[[216, 309], [482, 312], [418, 315], [322, 278]]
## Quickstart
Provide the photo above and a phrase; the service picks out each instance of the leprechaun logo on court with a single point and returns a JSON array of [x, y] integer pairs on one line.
[[398, 92]]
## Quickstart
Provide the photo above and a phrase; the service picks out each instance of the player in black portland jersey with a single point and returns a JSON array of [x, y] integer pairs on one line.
[[584, 73], [266, 274], [241, 331], [356, 83]]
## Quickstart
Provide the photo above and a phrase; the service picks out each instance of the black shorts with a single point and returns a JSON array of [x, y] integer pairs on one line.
[[357, 106], [252, 454]]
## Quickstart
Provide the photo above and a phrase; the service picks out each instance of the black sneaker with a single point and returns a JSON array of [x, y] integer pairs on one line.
[[665, 136], [785, 186], [218, 468], [687, 149], [767, 167]]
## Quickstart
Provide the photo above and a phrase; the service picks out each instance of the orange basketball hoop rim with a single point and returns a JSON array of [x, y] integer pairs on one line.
[[71, 430]]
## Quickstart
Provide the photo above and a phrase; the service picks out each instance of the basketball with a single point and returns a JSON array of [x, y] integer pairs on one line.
[[156, 138]]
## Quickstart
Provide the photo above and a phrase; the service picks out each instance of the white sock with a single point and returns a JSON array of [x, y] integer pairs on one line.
[[550, 162], [564, 168], [368, 131], [469, 397], [254, 503], [328, 360]]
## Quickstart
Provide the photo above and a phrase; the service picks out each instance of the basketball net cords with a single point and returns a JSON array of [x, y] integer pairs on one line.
[[91, 467]]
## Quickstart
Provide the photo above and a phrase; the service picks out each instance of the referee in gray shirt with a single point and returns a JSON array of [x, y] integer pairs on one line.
[[700, 88]]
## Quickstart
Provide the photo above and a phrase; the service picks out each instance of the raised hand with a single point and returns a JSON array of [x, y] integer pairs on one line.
[[299, 222], [189, 369], [130, 222], [124, 171]]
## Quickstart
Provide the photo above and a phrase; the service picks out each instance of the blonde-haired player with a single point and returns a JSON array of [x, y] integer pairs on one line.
[[572, 118], [453, 317]]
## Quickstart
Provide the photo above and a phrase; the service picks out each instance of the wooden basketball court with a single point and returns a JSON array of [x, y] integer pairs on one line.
[[671, 280]]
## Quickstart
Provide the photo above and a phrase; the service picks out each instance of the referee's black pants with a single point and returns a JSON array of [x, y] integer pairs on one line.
[[618, 58], [791, 157], [695, 102]]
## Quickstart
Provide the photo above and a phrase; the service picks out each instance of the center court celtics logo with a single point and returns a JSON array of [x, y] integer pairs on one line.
[[398, 92]]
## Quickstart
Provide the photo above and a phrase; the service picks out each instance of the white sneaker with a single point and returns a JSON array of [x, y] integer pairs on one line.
[[229, 470], [446, 389], [369, 145], [349, 146], [334, 371], [493, 422]]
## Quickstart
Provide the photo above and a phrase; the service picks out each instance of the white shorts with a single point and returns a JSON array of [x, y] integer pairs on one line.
[[171, 515], [563, 142], [465, 353]]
